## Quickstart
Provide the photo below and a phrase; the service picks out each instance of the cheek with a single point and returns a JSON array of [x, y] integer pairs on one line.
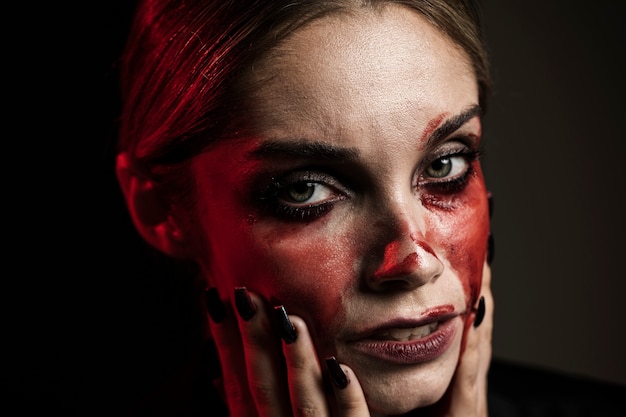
[[465, 229], [310, 272], [306, 268]]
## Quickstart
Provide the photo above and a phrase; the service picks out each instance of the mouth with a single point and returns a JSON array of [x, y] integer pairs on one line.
[[407, 341], [406, 334]]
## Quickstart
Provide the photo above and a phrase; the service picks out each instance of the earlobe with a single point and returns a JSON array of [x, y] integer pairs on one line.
[[150, 210]]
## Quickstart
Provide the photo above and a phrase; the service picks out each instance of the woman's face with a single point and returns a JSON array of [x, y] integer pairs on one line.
[[358, 201]]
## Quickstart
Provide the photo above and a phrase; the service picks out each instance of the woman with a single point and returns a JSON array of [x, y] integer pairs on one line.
[[318, 162], [321, 159]]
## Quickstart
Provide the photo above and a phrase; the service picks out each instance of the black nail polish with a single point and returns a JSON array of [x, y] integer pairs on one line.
[[480, 312], [285, 327], [336, 373], [214, 305], [491, 248], [243, 303]]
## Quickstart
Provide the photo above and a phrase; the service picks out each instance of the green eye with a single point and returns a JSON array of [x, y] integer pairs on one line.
[[303, 196], [440, 168], [300, 192], [447, 166]]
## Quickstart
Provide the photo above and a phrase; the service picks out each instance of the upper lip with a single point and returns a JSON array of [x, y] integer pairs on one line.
[[398, 323]]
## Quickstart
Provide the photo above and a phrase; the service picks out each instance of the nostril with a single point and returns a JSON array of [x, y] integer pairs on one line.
[[394, 285]]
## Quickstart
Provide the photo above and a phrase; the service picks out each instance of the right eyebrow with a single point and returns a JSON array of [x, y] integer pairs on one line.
[[305, 149]]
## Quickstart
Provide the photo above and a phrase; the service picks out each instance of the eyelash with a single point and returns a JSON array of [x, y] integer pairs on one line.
[[456, 184], [274, 198]]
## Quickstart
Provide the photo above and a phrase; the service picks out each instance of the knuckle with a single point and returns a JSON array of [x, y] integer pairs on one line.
[[307, 410], [297, 362], [263, 393]]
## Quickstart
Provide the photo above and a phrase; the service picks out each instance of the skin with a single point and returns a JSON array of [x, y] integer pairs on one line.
[[376, 87]]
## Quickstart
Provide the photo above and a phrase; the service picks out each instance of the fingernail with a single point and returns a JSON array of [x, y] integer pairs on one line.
[[336, 373], [214, 305], [480, 312], [491, 248], [287, 330], [243, 303]]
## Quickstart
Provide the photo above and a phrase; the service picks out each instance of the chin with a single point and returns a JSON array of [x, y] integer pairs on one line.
[[393, 398], [398, 389]]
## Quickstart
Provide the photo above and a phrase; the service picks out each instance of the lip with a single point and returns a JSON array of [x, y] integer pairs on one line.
[[412, 351]]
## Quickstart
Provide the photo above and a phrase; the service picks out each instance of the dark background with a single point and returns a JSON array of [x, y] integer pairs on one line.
[[95, 320], [556, 143]]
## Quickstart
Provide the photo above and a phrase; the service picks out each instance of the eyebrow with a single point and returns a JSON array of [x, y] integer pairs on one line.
[[453, 124], [305, 149], [321, 150]]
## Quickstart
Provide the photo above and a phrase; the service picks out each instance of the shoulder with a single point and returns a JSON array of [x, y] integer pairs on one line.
[[528, 391]]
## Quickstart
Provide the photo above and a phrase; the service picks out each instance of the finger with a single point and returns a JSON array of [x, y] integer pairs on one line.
[[225, 332], [468, 391], [481, 334], [265, 364], [306, 385], [348, 392], [485, 333], [477, 355]]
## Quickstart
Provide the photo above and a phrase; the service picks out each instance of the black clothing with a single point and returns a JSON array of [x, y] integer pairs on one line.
[[517, 390], [514, 390]]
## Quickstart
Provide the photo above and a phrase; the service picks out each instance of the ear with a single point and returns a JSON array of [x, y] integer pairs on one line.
[[150, 210]]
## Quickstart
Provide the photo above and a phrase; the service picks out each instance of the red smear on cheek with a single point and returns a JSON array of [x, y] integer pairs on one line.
[[465, 228], [309, 274], [305, 267]]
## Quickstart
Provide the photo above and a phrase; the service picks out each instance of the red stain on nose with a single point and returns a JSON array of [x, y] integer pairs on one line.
[[391, 267]]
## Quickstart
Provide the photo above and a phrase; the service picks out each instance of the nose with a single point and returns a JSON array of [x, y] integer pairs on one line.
[[408, 261]]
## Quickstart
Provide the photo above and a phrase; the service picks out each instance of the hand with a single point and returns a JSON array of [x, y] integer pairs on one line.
[[467, 394], [285, 379], [265, 376]]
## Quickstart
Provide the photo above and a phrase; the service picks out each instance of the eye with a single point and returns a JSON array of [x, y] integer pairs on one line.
[[449, 172], [302, 196], [306, 193], [447, 166]]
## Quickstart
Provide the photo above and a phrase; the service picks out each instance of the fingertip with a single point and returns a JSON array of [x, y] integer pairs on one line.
[[337, 373], [298, 323], [286, 329], [246, 307], [480, 312], [300, 329], [348, 391]]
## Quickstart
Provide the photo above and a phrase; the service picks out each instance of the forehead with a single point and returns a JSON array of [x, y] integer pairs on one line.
[[357, 66]]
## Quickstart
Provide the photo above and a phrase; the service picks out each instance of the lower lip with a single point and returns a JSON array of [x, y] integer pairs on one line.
[[413, 351]]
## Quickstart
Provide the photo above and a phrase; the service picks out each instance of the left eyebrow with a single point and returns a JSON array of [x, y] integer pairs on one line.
[[453, 124], [305, 149]]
